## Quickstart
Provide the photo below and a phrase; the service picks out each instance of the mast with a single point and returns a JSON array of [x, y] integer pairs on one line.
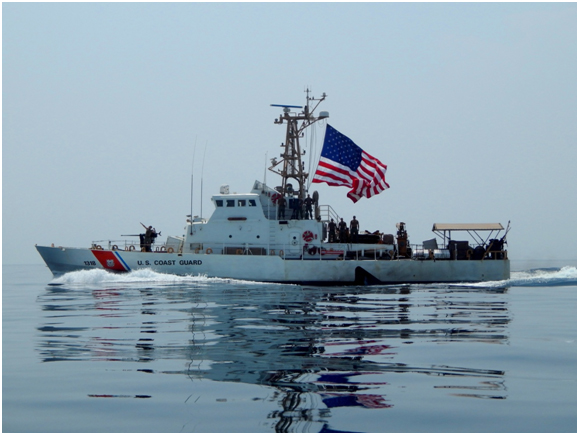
[[291, 158]]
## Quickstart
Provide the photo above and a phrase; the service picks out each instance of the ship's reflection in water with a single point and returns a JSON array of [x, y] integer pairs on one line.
[[315, 349]]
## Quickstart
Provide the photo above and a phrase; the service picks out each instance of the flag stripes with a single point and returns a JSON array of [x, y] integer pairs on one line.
[[343, 163]]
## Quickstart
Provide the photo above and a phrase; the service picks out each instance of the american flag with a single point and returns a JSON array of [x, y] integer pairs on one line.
[[343, 163]]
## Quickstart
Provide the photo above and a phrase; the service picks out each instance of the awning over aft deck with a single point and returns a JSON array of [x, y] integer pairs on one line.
[[467, 227]]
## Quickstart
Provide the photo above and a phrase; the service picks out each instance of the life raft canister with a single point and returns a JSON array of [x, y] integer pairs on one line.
[[308, 236]]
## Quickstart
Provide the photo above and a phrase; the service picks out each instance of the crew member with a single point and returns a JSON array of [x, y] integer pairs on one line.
[[343, 228], [149, 238], [331, 231], [354, 229], [296, 206], [281, 208], [308, 205]]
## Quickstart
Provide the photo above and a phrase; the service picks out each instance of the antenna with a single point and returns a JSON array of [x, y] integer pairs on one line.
[[202, 168], [265, 170], [192, 168], [286, 106]]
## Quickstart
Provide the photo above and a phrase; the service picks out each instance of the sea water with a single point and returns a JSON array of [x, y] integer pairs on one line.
[[147, 352]]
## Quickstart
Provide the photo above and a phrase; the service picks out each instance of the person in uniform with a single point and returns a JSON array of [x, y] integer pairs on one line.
[[354, 229], [281, 208], [296, 206], [308, 206], [148, 238], [343, 228], [331, 231]]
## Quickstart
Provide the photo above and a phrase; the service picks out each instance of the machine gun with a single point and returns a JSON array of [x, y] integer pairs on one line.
[[145, 244], [496, 246], [155, 233]]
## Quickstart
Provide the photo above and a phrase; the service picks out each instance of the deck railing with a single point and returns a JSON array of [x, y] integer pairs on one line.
[[307, 252]]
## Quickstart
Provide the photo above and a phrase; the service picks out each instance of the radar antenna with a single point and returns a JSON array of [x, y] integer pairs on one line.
[[291, 163]]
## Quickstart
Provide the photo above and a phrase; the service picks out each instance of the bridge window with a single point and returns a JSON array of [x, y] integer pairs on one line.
[[241, 202], [230, 202], [252, 203], [219, 202]]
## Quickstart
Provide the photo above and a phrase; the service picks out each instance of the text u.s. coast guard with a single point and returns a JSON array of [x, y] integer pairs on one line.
[[170, 263]]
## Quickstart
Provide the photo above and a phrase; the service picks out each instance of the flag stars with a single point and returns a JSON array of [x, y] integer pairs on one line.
[[343, 163]]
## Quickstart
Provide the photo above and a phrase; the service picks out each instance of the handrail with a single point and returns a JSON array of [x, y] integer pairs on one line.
[[298, 252], [327, 213], [124, 243]]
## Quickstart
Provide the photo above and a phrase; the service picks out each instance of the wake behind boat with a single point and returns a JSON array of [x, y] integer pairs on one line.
[[284, 235]]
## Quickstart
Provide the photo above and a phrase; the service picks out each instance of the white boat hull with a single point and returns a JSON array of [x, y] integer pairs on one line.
[[273, 268]]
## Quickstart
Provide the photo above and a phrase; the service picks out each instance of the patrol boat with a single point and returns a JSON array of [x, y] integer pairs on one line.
[[269, 235]]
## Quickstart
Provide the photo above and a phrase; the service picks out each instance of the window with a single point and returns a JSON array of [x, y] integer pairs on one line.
[[252, 203], [219, 202], [241, 202], [230, 202]]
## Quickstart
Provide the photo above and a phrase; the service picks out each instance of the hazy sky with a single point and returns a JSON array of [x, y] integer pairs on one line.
[[473, 107]]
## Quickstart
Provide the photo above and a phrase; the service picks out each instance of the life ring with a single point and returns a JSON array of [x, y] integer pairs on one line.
[[170, 250], [281, 253], [275, 198], [131, 247], [99, 247], [308, 236], [209, 251], [115, 248], [239, 252], [272, 252], [163, 249]]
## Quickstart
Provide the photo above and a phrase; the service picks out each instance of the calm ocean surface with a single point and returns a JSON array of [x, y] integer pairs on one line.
[[147, 352]]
